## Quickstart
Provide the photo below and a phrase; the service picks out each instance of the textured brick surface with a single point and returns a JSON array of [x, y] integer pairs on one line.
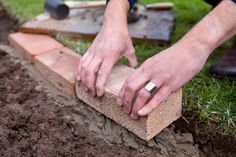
[[31, 45], [146, 127], [59, 68]]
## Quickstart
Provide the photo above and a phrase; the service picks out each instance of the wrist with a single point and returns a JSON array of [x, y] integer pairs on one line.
[[193, 48], [116, 13]]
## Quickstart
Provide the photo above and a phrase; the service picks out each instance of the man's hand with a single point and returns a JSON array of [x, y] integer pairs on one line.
[[98, 61], [168, 70], [175, 66], [111, 43]]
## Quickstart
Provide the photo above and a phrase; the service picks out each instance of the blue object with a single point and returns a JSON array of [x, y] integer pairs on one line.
[[234, 1], [131, 3]]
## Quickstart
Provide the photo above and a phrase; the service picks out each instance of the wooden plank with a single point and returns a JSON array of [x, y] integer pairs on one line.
[[85, 4], [160, 6]]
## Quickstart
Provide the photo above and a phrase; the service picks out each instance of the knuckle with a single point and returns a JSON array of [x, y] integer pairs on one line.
[[168, 76]]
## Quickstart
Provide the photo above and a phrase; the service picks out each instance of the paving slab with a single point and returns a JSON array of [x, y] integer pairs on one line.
[[152, 26]]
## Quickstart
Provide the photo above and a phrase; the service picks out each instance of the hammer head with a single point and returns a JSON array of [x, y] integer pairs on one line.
[[57, 9]]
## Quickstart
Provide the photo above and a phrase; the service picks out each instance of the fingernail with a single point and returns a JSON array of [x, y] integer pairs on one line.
[[119, 102], [141, 112]]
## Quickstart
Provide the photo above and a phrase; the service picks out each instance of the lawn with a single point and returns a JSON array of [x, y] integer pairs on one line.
[[208, 99]]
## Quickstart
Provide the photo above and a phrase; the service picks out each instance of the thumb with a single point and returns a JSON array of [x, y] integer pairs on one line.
[[132, 60]]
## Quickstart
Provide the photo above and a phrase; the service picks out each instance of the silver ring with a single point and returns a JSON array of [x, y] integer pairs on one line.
[[150, 87]]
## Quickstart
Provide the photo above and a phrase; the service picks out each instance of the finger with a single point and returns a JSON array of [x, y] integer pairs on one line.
[[78, 75], [84, 67], [138, 104], [131, 88], [132, 59], [159, 97], [91, 74], [141, 99], [102, 75], [122, 90]]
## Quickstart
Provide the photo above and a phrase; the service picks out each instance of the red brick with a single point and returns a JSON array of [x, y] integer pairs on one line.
[[32, 45], [59, 65], [59, 68]]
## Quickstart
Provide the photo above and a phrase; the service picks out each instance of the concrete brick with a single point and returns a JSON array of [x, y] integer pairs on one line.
[[146, 127], [59, 67], [32, 45]]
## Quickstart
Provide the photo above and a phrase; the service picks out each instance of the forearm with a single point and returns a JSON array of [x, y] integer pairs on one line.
[[218, 26], [116, 13]]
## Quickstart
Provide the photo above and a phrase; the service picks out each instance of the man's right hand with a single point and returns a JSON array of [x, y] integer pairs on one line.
[[112, 42]]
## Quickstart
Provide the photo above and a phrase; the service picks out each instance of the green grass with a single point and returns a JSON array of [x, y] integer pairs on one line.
[[212, 100], [23, 9]]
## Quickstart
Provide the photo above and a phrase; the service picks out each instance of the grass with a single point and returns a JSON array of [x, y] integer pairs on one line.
[[23, 9], [212, 100]]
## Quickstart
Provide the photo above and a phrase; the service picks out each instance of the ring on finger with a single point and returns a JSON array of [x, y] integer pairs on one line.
[[150, 87]]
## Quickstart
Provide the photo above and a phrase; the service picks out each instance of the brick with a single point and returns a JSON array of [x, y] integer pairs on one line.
[[146, 127], [59, 64], [32, 45], [59, 67]]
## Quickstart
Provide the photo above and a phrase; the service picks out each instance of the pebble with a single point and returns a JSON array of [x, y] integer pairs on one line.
[[38, 88]]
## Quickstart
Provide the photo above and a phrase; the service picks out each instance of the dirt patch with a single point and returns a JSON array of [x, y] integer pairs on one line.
[[211, 142], [32, 124], [38, 122]]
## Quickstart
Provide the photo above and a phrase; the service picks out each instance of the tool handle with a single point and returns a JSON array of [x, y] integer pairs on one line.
[[160, 6], [85, 4]]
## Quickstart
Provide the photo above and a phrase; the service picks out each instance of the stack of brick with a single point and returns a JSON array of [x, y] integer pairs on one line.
[[58, 65]]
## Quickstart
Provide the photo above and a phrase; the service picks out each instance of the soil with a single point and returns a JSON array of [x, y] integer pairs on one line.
[[38, 120], [7, 26]]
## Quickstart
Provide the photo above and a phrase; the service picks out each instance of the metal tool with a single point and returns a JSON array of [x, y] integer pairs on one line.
[[61, 10]]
